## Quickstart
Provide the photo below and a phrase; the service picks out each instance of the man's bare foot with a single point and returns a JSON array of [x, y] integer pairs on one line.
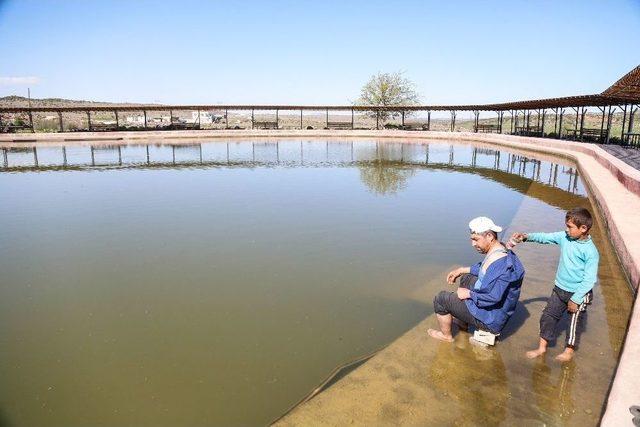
[[566, 355], [532, 354], [434, 333]]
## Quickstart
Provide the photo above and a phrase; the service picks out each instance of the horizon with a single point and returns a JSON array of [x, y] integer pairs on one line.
[[312, 54]]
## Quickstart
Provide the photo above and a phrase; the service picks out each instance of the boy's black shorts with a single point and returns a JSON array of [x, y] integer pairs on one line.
[[556, 307]]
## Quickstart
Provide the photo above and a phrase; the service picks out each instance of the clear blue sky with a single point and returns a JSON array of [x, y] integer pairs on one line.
[[313, 52]]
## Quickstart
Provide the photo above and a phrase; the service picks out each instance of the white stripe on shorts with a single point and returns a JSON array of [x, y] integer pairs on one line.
[[574, 322]]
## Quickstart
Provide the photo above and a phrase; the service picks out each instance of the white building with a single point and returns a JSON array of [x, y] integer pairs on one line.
[[135, 120], [206, 117]]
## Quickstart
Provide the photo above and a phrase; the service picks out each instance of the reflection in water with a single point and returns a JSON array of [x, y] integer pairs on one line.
[[385, 178], [384, 167], [474, 380], [553, 392]]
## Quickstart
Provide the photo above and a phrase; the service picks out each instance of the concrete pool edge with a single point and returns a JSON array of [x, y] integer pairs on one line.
[[617, 199]]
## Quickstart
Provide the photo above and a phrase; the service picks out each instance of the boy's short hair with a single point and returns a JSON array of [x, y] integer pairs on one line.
[[580, 217]]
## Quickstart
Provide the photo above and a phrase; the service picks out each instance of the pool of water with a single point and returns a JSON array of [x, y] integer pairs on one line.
[[217, 283]]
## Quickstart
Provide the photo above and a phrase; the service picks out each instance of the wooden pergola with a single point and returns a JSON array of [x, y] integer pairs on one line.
[[623, 96]]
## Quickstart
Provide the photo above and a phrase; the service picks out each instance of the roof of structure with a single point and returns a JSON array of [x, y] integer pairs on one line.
[[628, 87]]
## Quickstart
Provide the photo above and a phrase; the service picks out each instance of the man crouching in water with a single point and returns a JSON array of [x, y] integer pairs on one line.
[[488, 291]]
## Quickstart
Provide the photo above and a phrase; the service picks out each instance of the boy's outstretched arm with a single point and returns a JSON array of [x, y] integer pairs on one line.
[[545, 238]]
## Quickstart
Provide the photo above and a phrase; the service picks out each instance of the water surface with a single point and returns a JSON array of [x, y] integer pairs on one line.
[[217, 283]]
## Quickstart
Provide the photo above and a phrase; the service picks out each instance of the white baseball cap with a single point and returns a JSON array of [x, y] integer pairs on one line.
[[482, 224]]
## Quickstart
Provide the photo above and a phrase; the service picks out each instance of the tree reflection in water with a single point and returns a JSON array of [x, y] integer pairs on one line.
[[385, 177]]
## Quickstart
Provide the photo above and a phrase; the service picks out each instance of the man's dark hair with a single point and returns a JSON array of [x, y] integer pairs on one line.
[[486, 233], [493, 233], [580, 217]]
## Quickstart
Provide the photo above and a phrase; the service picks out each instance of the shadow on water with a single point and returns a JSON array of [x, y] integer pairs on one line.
[[4, 421], [519, 317]]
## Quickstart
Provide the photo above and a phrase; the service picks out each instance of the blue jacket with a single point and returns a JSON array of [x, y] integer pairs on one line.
[[496, 299]]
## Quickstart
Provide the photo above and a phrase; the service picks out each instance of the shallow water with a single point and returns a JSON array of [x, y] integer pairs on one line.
[[218, 283]]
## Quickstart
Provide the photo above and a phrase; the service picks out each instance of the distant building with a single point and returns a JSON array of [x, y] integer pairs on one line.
[[205, 117], [135, 120], [161, 120]]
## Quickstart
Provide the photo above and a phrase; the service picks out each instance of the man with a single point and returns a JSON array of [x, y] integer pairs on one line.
[[488, 291]]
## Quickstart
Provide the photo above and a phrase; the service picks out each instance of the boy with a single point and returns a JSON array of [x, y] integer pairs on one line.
[[576, 275]]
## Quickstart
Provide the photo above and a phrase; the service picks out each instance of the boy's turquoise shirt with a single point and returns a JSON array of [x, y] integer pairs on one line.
[[578, 268]]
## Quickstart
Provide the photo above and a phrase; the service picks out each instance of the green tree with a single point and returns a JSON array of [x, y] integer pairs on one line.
[[388, 90]]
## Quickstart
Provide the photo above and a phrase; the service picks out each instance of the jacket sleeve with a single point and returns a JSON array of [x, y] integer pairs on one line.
[[490, 294], [589, 278], [475, 269], [546, 238]]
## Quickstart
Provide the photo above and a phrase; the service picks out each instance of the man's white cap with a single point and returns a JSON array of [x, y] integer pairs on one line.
[[482, 224]]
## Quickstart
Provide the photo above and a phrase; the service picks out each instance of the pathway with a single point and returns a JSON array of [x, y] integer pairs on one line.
[[630, 156]]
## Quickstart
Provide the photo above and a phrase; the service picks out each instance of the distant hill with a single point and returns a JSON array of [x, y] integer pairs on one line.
[[21, 101]]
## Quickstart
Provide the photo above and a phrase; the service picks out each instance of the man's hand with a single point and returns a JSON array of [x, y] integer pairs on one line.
[[572, 307], [453, 275], [464, 293]]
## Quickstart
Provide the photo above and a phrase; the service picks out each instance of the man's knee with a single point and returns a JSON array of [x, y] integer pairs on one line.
[[440, 305]]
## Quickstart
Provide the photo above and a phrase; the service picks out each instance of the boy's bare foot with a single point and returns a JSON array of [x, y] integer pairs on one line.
[[532, 354], [434, 333], [566, 355]]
